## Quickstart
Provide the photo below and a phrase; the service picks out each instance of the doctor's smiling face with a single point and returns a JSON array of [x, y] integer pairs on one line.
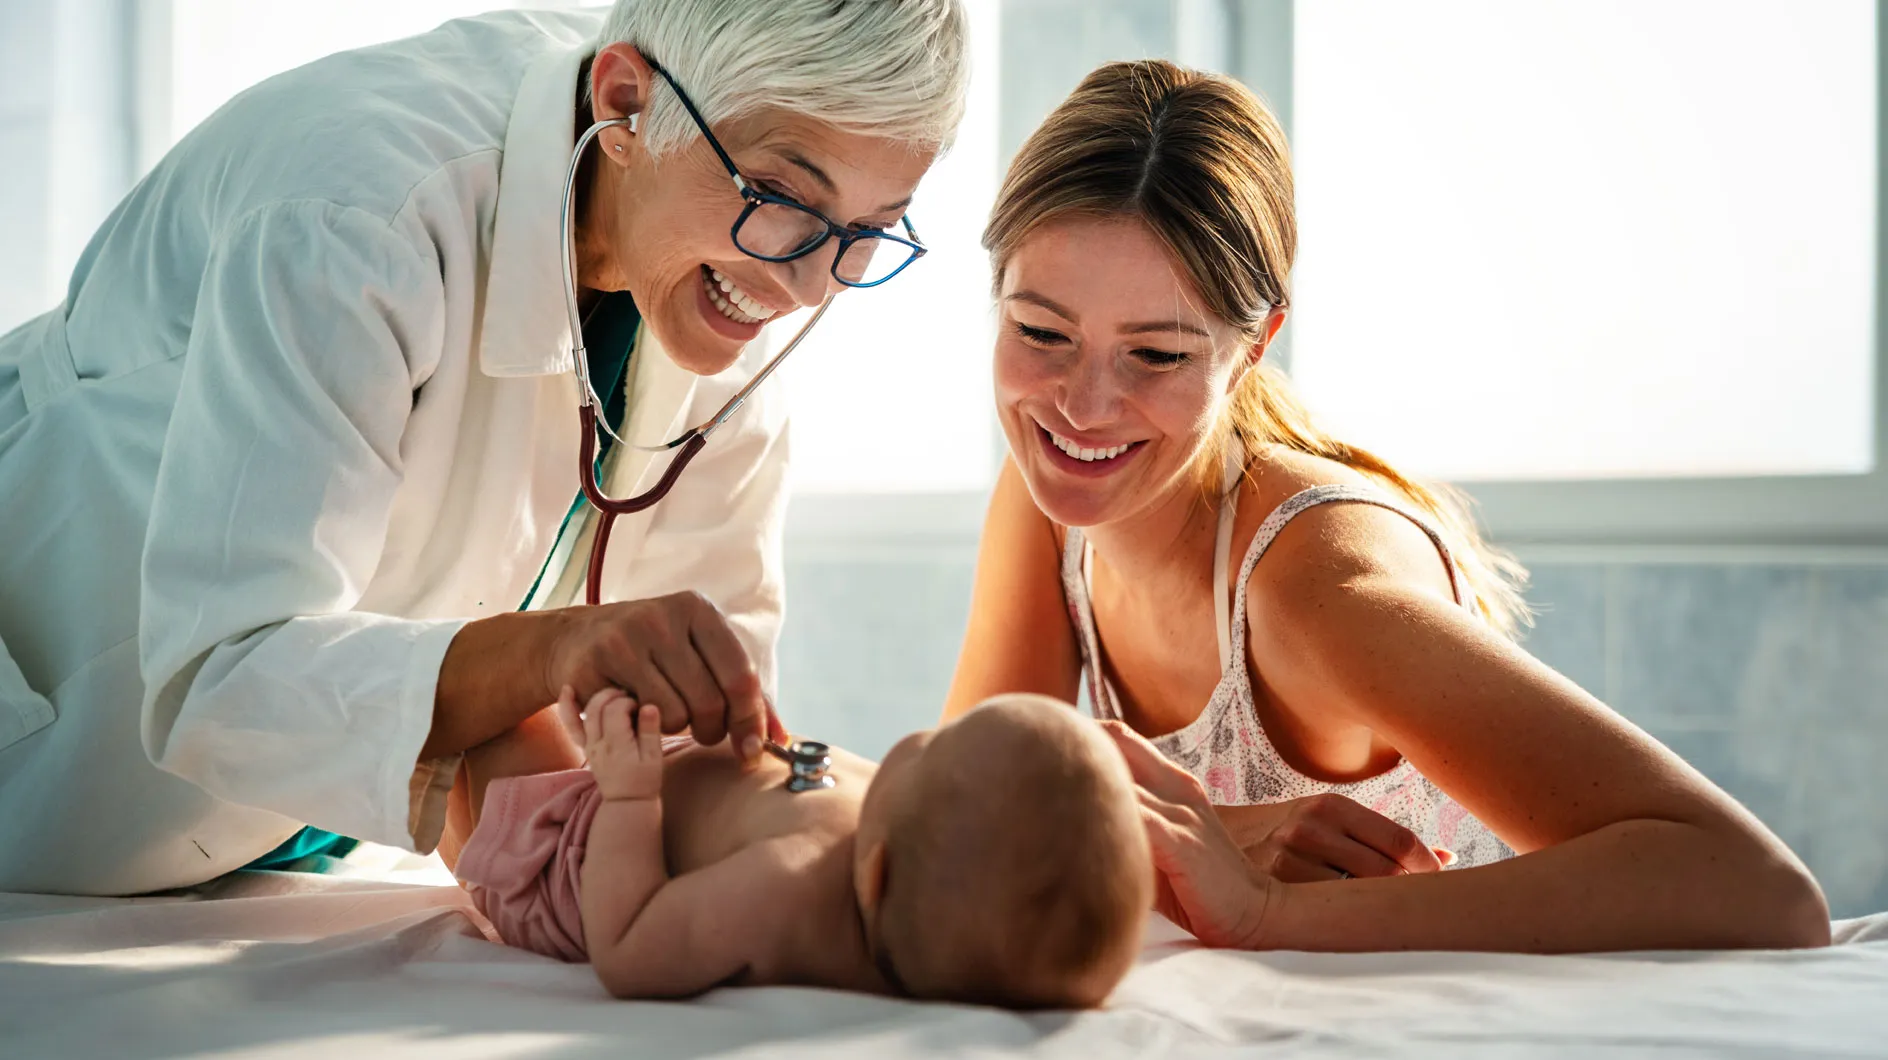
[[660, 226]]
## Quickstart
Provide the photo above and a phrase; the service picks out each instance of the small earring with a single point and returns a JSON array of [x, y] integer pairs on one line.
[[618, 148]]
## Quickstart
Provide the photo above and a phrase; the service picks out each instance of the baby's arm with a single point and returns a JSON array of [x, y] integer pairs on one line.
[[694, 932], [649, 935], [623, 863]]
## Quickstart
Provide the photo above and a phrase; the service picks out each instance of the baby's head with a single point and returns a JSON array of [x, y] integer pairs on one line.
[[1001, 859]]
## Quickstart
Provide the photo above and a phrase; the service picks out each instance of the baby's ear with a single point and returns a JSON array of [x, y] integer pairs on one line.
[[869, 877]]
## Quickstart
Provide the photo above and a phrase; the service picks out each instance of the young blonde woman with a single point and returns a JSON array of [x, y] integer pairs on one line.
[[1305, 655]]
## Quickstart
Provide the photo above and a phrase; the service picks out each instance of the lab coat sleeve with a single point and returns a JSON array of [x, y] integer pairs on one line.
[[314, 325], [719, 532]]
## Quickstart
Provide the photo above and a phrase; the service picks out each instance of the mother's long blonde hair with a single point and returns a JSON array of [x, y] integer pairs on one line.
[[1203, 163]]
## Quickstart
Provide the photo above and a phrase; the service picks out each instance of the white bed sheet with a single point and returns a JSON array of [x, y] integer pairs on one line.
[[282, 965]]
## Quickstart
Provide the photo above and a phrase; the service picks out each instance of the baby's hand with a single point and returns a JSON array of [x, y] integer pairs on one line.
[[622, 742]]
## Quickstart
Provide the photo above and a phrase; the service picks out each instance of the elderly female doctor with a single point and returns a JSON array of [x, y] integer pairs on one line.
[[280, 472]]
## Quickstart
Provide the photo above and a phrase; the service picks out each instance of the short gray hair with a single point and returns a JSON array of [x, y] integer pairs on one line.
[[895, 68]]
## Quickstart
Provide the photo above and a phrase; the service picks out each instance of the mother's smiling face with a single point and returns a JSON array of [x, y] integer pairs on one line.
[[659, 226], [1111, 375]]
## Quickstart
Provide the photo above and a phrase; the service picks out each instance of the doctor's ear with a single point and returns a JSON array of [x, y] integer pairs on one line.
[[620, 83]]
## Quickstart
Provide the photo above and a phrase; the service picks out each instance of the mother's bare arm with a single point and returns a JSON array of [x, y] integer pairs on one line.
[[1019, 638], [1623, 845]]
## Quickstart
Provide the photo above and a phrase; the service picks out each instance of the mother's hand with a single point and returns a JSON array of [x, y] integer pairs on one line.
[[1205, 884], [1326, 837]]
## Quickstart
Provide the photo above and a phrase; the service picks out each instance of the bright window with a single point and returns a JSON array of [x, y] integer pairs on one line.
[[1572, 239], [891, 394]]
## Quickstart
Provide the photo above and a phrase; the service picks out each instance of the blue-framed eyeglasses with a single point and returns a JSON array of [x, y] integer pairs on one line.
[[775, 228]]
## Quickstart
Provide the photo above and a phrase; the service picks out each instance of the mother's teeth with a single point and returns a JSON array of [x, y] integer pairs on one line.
[[1088, 455]]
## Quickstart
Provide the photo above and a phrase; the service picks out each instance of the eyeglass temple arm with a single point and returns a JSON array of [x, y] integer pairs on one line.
[[689, 105]]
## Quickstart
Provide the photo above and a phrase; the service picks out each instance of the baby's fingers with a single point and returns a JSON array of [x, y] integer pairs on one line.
[[593, 711], [649, 733], [619, 727]]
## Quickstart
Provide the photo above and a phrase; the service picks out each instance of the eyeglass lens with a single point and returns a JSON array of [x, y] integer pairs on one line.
[[775, 230]]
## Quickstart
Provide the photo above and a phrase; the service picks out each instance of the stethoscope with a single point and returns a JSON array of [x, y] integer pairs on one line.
[[691, 440], [809, 762]]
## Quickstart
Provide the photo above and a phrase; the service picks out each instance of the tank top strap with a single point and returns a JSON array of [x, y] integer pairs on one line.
[[1233, 475], [1304, 501], [1075, 563]]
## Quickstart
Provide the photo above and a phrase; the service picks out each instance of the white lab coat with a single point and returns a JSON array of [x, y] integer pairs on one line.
[[305, 411]]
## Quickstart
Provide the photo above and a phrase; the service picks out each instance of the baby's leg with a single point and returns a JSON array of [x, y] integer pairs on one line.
[[538, 745]]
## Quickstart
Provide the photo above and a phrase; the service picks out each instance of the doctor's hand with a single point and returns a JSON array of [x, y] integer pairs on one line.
[[676, 653]]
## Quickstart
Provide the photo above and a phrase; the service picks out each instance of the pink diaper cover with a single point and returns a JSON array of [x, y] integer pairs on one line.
[[523, 863]]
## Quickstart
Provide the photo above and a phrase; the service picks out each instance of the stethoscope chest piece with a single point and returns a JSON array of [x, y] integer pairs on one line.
[[809, 765]]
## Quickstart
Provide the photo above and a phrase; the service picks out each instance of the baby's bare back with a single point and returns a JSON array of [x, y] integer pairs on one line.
[[712, 807]]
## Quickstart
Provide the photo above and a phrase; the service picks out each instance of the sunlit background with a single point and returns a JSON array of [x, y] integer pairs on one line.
[[1610, 263]]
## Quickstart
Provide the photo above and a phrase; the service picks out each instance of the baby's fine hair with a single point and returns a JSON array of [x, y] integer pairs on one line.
[[1019, 874]]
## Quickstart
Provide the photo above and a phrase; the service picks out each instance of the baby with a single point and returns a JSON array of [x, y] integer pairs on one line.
[[999, 860]]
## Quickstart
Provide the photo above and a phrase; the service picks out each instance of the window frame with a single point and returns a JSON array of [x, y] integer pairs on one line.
[[1739, 512]]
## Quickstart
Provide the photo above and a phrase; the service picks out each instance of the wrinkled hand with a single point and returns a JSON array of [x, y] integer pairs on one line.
[[1204, 882], [622, 742], [675, 653], [1325, 837]]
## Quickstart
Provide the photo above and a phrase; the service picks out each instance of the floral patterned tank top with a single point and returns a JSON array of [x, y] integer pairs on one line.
[[1226, 747]]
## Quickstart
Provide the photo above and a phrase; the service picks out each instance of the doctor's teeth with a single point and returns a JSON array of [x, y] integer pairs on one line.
[[735, 303]]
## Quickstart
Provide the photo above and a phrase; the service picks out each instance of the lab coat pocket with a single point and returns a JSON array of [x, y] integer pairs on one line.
[[23, 711]]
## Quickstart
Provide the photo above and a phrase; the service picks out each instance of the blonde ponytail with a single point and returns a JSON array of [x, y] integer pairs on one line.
[[1265, 410]]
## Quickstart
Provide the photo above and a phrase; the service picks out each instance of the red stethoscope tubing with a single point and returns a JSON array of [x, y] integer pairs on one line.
[[608, 508], [690, 443]]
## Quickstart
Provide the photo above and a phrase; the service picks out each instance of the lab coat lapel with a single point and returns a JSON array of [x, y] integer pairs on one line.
[[524, 328], [659, 400]]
